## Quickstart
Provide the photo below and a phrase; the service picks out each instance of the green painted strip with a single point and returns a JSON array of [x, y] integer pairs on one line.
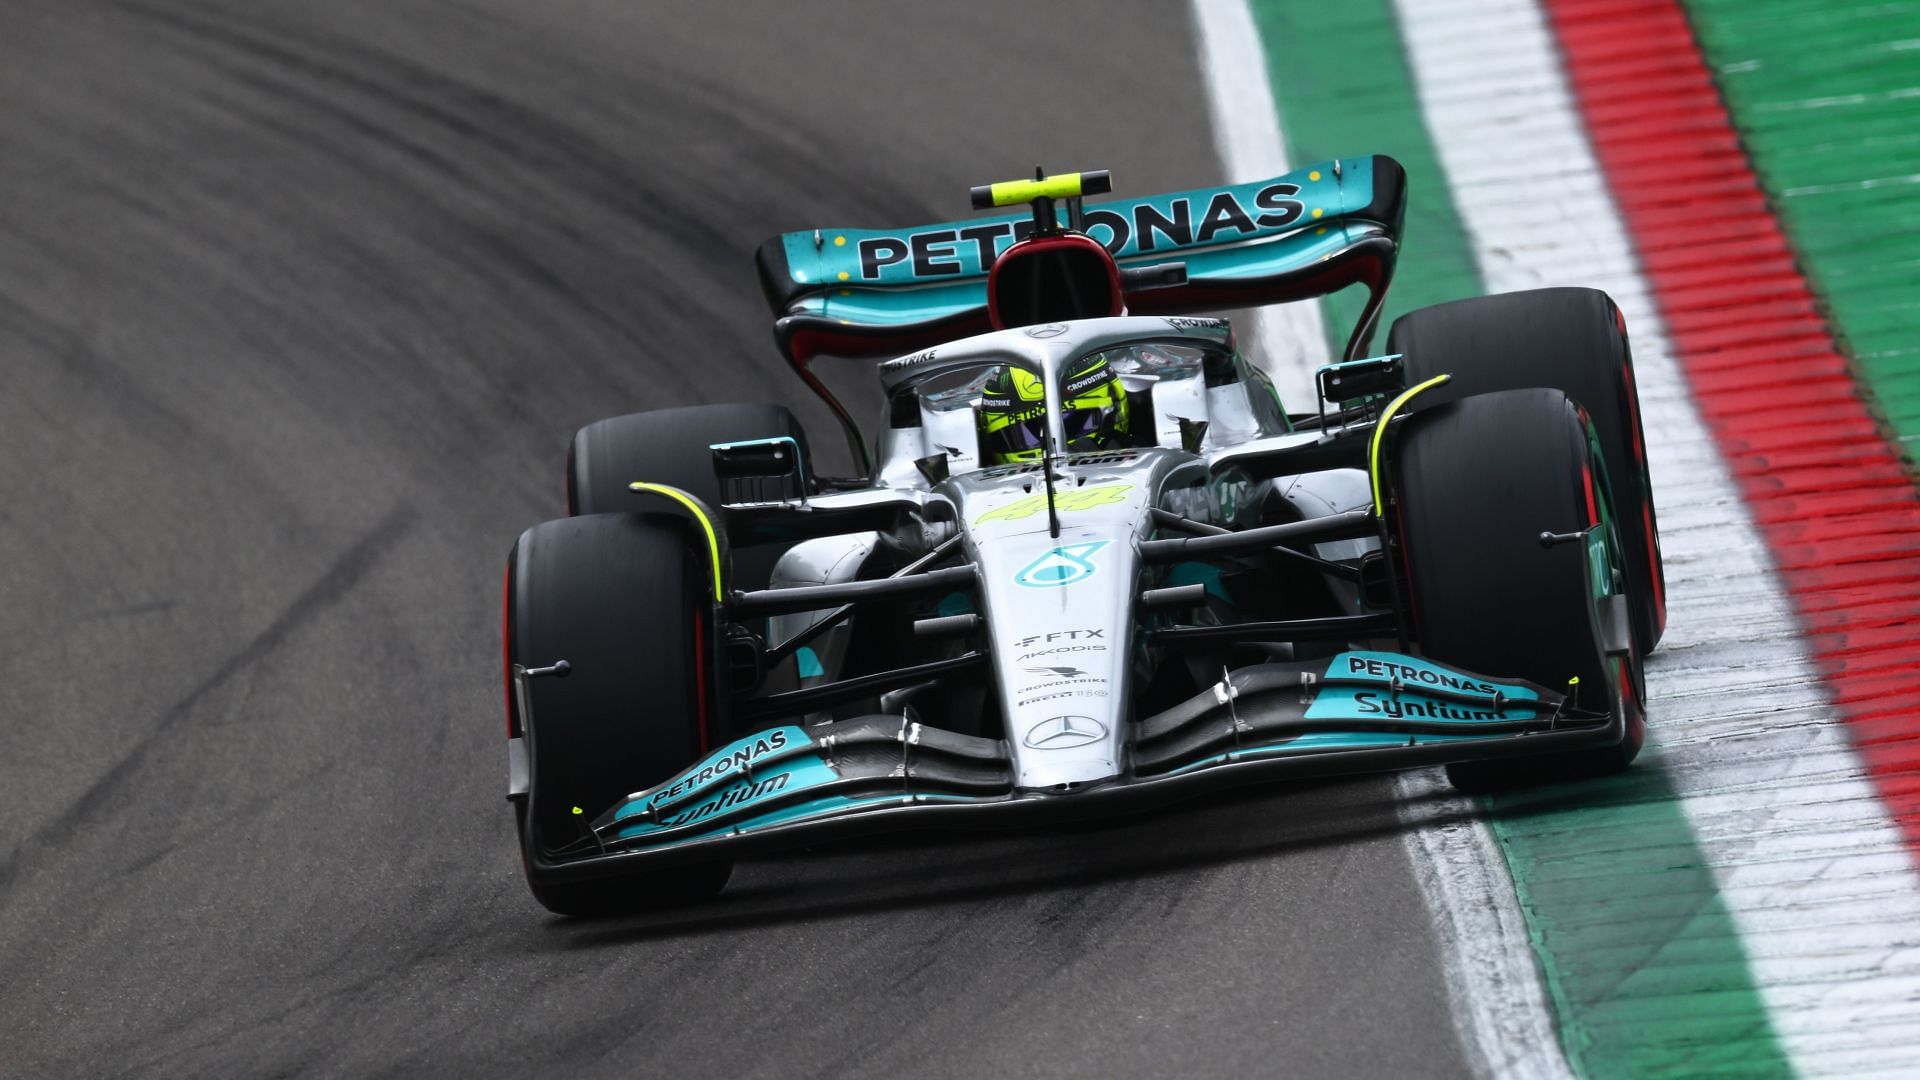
[[1344, 89], [1826, 97], [1644, 966]]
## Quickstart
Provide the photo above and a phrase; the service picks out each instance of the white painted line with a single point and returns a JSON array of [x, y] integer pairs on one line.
[[1498, 1002], [1288, 341], [1500, 1008], [1739, 719]]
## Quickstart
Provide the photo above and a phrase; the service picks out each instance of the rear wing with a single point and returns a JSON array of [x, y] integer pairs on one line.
[[867, 292]]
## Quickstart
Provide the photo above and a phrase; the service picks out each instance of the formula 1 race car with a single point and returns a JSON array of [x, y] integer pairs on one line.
[[1091, 561]]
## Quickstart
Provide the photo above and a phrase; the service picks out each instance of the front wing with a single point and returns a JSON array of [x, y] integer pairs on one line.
[[1361, 711]]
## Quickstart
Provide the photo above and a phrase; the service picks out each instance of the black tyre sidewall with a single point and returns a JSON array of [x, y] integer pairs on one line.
[[665, 446], [1475, 483], [674, 447], [1572, 340], [623, 599]]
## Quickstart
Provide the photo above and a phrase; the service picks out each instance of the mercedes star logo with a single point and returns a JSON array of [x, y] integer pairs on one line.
[[1065, 733], [1047, 331]]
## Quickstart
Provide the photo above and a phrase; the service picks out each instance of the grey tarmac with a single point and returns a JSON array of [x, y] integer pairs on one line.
[[299, 305]]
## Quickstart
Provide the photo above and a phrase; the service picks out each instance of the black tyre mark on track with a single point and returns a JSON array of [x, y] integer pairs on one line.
[[99, 800]]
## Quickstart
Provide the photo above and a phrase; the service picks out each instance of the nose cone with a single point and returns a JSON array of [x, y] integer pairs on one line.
[[1060, 611]]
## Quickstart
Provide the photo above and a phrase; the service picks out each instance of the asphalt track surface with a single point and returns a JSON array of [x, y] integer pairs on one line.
[[299, 304]]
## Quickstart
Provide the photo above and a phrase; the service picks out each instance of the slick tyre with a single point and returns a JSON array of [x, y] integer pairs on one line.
[[673, 447], [623, 599], [1476, 482], [1575, 341]]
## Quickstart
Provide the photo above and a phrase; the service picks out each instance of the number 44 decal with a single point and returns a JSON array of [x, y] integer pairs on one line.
[[1066, 501]]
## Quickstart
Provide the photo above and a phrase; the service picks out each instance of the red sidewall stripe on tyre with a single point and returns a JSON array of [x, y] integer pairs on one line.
[[1832, 499]]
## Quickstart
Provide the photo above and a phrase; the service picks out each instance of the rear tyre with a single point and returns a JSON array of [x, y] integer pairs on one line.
[[623, 599], [1575, 341], [1476, 482], [673, 447]]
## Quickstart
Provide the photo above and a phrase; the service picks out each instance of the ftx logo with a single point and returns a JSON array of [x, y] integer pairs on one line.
[[1061, 635]]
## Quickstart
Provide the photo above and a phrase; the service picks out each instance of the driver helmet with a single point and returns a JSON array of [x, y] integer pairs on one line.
[[1013, 411]]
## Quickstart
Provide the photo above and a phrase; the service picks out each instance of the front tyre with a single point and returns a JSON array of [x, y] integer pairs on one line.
[[1575, 341], [624, 599], [1476, 482]]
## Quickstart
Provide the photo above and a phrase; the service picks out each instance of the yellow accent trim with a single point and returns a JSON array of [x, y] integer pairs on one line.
[[1100, 397], [1068, 501], [1380, 436], [1317, 211], [844, 275], [1014, 192], [839, 241], [1314, 175], [693, 507]]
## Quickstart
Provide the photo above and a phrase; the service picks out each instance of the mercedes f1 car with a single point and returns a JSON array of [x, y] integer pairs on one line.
[[1090, 561]]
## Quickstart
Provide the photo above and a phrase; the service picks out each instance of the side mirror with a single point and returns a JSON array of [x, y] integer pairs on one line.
[[756, 459], [1356, 379], [749, 469]]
